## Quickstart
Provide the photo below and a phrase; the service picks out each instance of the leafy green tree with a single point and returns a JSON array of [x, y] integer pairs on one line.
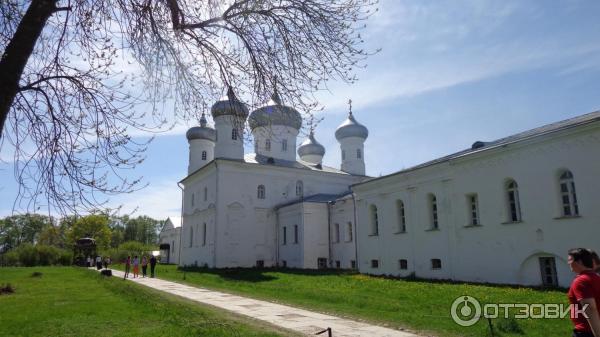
[[22, 228], [94, 226], [53, 236], [143, 229]]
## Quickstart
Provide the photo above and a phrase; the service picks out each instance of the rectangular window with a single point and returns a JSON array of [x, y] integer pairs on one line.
[[336, 234], [349, 237], [434, 212], [374, 263], [204, 234], [401, 216], [353, 264], [358, 154], [268, 145], [473, 210], [284, 264], [284, 145], [403, 264], [548, 272], [284, 235], [295, 233], [260, 263], [322, 263], [338, 264], [436, 264]]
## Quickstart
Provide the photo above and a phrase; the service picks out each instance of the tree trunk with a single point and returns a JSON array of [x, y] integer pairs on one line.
[[19, 50]]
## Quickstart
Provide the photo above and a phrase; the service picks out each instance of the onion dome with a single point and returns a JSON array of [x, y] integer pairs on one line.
[[275, 113], [310, 146], [202, 132], [229, 105], [351, 128]]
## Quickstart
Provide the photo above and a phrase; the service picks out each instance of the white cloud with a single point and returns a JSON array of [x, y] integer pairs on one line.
[[159, 200]]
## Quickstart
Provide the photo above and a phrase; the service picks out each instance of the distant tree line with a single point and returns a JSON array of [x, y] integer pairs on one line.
[[34, 239]]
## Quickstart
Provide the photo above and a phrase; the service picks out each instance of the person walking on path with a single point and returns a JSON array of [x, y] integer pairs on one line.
[[136, 267], [98, 262], [89, 261], [152, 265], [106, 262], [144, 266], [127, 267], [584, 294]]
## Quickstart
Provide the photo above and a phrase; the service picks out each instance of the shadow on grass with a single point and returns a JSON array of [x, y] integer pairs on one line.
[[260, 274], [267, 274]]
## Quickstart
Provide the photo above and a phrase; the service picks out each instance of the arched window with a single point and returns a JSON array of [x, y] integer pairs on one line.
[[336, 233], [203, 155], [191, 235], [204, 234], [268, 145], [299, 188], [358, 154], [433, 209], [401, 216], [234, 134], [343, 155], [374, 220], [260, 192], [284, 145], [512, 201], [568, 194]]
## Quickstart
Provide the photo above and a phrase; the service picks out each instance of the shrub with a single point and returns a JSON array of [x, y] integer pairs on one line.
[[36, 274], [129, 248], [27, 255], [47, 255], [65, 258], [9, 259]]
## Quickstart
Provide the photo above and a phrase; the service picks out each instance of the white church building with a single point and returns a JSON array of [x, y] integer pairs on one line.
[[502, 212]]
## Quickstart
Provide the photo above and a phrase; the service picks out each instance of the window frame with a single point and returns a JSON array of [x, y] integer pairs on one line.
[[261, 192], [566, 185]]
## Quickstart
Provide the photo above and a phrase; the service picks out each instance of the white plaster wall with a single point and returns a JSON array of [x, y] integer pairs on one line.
[[170, 237], [342, 213], [276, 134], [496, 251], [292, 253], [196, 148], [225, 146], [253, 236], [351, 163], [194, 251], [315, 234]]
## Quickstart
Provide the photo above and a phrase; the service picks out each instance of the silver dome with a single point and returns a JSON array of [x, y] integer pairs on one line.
[[201, 132], [229, 105], [310, 146], [274, 113], [351, 128]]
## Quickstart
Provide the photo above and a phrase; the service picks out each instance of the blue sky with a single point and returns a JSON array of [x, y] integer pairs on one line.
[[449, 73]]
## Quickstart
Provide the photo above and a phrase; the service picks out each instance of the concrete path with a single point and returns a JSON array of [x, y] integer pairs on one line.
[[299, 320]]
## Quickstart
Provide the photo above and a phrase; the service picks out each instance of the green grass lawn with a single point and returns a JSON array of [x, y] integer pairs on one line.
[[415, 305], [70, 301]]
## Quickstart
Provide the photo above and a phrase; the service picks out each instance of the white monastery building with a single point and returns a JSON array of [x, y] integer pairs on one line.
[[505, 211]]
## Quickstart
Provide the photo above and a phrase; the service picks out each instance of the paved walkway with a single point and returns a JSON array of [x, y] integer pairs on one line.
[[299, 320]]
